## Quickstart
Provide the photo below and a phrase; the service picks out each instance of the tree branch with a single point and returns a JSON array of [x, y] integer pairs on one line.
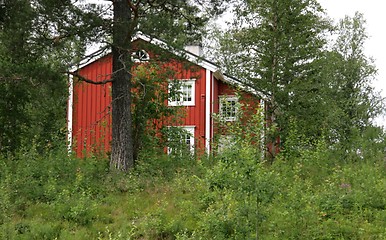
[[80, 77], [134, 7], [9, 79]]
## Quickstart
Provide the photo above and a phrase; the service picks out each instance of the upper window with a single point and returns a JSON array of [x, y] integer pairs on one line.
[[182, 93], [140, 56], [228, 108]]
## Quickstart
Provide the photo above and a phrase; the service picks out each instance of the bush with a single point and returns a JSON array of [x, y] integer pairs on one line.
[[304, 194], [56, 179]]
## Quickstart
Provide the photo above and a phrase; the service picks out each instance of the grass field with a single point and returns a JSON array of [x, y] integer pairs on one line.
[[231, 196]]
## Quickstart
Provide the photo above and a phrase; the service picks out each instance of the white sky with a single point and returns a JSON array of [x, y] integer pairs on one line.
[[375, 15]]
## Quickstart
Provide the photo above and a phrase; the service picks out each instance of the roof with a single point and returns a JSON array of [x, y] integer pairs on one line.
[[191, 57]]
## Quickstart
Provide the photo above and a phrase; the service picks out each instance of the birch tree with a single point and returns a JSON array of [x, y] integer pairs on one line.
[[274, 46], [352, 76]]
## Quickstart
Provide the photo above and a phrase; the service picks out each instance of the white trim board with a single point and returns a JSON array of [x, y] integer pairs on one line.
[[207, 109], [70, 111]]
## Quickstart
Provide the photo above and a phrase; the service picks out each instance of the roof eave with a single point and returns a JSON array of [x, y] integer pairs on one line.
[[180, 53]]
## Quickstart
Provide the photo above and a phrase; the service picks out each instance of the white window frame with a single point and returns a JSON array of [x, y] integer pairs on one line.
[[180, 101], [140, 56], [190, 131], [224, 100]]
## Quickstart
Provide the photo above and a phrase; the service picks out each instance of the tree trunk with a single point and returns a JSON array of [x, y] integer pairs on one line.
[[122, 137], [273, 111]]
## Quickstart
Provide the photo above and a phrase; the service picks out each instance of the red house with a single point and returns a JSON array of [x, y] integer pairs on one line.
[[205, 91]]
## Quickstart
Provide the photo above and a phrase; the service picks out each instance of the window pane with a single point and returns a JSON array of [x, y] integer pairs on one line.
[[181, 139], [228, 108], [185, 94], [187, 139]]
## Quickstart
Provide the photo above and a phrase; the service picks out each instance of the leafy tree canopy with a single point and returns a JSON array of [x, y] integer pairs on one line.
[[283, 49]]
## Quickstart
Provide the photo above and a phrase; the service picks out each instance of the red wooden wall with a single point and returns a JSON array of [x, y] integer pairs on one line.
[[249, 101], [91, 128], [194, 115], [92, 106], [91, 109]]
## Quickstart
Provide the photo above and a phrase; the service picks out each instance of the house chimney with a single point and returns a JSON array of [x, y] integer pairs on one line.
[[196, 49]]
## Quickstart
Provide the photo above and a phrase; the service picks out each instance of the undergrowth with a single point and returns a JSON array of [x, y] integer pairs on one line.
[[232, 195]]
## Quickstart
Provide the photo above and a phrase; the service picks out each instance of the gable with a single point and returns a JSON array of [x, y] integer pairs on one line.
[[89, 114], [148, 43]]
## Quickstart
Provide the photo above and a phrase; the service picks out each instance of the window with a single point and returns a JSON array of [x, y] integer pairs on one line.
[[228, 108], [188, 137], [182, 93], [140, 56], [181, 139]]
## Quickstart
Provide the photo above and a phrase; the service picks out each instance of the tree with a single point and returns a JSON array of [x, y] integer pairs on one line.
[[281, 48], [173, 20], [351, 79], [38, 39], [274, 47], [33, 91], [61, 30]]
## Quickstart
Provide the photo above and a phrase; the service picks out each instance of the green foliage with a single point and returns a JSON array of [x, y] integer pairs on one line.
[[356, 102], [275, 46], [33, 89], [247, 130], [282, 48], [152, 117], [61, 185], [5, 202], [305, 194], [185, 20]]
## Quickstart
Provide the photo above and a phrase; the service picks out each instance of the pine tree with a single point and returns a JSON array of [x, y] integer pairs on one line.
[[33, 89], [177, 22], [59, 31], [173, 20]]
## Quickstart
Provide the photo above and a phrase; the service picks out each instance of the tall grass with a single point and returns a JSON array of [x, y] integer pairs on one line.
[[232, 195]]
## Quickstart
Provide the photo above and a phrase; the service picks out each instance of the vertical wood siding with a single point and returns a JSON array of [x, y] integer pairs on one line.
[[250, 103], [193, 115], [92, 108]]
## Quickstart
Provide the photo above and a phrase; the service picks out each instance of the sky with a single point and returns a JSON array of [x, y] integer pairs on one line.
[[375, 47]]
